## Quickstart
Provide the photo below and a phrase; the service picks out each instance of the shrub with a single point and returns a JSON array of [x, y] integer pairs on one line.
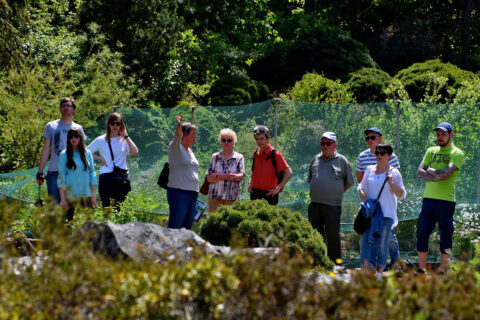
[[368, 85], [468, 92], [260, 224], [236, 90], [419, 80], [307, 45], [318, 89]]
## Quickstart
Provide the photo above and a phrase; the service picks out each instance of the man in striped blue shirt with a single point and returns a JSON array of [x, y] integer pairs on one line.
[[367, 158]]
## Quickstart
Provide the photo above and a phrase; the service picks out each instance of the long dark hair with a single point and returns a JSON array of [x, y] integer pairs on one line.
[[81, 148], [113, 117]]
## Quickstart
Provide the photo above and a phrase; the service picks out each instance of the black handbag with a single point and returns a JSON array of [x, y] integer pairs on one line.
[[121, 177], [163, 177], [362, 223]]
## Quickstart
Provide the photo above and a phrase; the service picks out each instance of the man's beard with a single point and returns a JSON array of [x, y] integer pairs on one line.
[[444, 144]]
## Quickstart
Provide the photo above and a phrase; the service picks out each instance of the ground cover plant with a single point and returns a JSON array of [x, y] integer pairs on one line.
[[73, 282]]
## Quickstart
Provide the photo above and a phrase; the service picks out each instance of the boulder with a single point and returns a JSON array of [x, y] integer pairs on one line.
[[140, 241]]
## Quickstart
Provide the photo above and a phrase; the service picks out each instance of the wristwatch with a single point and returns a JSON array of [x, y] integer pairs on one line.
[[126, 137]]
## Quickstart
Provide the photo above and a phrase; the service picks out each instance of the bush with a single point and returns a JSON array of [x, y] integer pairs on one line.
[[260, 224], [236, 90], [311, 47], [318, 89], [420, 80], [368, 85]]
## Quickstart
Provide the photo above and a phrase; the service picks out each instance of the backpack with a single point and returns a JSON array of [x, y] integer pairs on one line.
[[279, 175]]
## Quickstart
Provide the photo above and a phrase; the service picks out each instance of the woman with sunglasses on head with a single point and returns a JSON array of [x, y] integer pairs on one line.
[[118, 143], [77, 181], [370, 187], [225, 172]]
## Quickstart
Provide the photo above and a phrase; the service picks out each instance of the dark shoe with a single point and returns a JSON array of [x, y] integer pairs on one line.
[[421, 271]]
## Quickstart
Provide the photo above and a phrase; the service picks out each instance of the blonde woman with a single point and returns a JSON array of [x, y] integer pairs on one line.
[[226, 170]]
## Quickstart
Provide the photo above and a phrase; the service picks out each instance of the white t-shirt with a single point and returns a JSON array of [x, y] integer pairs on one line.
[[372, 183], [120, 149]]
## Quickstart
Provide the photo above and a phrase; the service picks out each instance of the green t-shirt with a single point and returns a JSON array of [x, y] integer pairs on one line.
[[438, 158]]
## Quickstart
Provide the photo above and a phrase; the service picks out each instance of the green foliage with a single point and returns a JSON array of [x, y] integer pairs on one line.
[[237, 90], [263, 225], [368, 85], [468, 92], [30, 97], [13, 22], [433, 79], [305, 45], [318, 89]]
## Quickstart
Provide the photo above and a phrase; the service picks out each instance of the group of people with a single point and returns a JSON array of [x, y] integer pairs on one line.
[[380, 181], [71, 177], [71, 180]]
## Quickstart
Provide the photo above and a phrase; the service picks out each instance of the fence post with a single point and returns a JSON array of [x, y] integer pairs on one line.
[[397, 103], [478, 174], [193, 114], [275, 103]]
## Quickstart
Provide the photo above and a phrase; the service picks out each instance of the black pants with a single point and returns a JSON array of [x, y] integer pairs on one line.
[[326, 219], [262, 194], [110, 194], [77, 202]]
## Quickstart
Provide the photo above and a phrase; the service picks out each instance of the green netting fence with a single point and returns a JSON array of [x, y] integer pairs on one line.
[[296, 129]]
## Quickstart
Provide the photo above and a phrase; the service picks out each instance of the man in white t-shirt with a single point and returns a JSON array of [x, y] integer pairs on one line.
[[55, 141]]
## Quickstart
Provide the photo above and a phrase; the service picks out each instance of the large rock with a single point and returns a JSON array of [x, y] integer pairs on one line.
[[140, 241]]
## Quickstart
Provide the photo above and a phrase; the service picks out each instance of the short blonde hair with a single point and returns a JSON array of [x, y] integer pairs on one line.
[[227, 132]]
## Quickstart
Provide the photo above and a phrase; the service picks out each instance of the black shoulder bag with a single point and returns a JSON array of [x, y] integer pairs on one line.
[[362, 223], [121, 177], [163, 177]]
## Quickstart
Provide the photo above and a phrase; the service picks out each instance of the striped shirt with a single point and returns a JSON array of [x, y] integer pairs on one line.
[[366, 158]]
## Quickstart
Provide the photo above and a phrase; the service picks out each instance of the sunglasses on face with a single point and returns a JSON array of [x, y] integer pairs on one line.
[[381, 153], [67, 105], [74, 135], [227, 140], [115, 123], [370, 138], [328, 144]]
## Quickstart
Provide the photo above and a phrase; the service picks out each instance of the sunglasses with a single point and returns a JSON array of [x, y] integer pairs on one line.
[[116, 123], [259, 131], [67, 106], [381, 153], [370, 138], [328, 144], [227, 140], [74, 135]]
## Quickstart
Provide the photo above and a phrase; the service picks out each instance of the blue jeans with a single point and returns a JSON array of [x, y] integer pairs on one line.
[[393, 249], [183, 205], [52, 185], [380, 246]]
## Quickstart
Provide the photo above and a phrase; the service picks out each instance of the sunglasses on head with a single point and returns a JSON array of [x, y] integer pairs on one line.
[[259, 131], [381, 153], [370, 138], [328, 143], [116, 123], [227, 140], [74, 134]]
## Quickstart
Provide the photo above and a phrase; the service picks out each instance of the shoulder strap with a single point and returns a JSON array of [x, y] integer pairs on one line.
[[272, 157], [111, 152], [386, 178], [253, 160]]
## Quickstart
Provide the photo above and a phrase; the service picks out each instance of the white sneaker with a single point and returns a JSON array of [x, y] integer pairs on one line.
[[379, 276]]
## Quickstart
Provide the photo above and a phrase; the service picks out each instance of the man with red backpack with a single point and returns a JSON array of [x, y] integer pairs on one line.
[[270, 171]]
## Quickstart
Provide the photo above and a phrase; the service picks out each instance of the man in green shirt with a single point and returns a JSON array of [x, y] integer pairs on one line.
[[439, 168]]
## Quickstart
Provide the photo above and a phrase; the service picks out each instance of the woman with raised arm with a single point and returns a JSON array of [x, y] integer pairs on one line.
[[182, 191], [77, 181], [376, 177], [225, 172], [113, 148]]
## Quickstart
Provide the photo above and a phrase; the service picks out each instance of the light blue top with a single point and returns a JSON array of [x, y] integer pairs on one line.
[[78, 181]]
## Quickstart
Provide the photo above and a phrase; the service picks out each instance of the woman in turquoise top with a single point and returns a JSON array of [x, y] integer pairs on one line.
[[77, 180]]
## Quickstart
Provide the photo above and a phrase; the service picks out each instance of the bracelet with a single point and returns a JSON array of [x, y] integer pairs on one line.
[[126, 137]]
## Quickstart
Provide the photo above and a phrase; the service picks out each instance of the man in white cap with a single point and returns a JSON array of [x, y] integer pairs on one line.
[[439, 168], [330, 175]]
